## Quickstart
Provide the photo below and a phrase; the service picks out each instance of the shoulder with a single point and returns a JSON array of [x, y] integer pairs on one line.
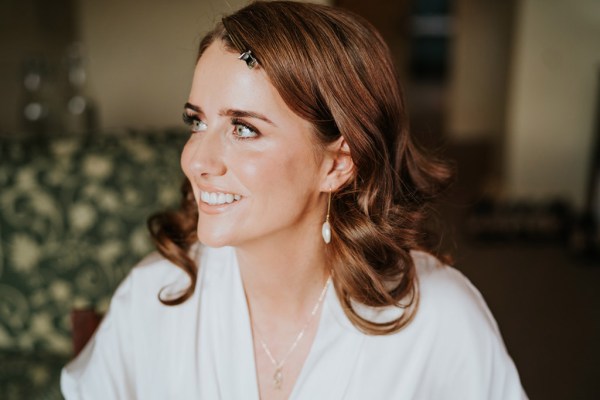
[[452, 307], [447, 299], [438, 279], [154, 269], [106, 364], [462, 333], [447, 295], [140, 337], [153, 274], [453, 343]]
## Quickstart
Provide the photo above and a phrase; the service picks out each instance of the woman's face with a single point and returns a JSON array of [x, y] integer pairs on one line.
[[254, 166]]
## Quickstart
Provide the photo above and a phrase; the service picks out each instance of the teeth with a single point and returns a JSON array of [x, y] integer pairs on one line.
[[204, 196], [218, 198]]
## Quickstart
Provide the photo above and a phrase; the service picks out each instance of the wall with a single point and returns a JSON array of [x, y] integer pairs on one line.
[[552, 98], [29, 29], [142, 56], [480, 62]]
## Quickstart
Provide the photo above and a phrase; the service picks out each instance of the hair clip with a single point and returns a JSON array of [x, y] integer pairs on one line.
[[245, 56], [248, 58]]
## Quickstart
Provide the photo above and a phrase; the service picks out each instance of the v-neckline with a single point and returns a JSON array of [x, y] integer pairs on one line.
[[328, 366], [333, 355], [311, 350]]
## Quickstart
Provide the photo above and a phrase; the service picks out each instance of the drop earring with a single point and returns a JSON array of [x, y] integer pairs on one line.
[[326, 229]]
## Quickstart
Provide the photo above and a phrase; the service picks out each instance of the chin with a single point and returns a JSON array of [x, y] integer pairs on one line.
[[213, 239]]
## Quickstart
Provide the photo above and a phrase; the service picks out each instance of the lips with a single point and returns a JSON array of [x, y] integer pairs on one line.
[[218, 198]]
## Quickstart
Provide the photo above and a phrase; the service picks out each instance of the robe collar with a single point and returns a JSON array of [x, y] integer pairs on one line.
[[331, 360]]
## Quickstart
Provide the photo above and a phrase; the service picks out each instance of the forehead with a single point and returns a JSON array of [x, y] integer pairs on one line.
[[223, 81], [220, 68]]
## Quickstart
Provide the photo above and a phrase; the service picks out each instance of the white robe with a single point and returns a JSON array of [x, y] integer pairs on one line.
[[203, 348]]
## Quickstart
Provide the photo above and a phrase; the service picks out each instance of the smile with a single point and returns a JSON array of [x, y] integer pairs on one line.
[[215, 199]]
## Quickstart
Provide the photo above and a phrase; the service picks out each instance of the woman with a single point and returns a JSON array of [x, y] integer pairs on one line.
[[295, 266]]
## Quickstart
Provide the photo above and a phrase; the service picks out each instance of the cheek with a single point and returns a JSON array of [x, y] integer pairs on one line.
[[299, 168], [186, 160], [283, 176], [253, 171]]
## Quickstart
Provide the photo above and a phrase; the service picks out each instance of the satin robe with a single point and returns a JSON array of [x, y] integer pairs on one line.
[[203, 348]]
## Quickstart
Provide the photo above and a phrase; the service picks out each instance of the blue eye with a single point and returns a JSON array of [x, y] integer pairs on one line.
[[242, 131]]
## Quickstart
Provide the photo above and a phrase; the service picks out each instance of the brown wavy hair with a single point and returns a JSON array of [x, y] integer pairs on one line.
[[333, 69]]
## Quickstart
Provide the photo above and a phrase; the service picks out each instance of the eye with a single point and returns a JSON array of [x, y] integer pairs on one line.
[[196, 124], [243, 131], [199, 126]]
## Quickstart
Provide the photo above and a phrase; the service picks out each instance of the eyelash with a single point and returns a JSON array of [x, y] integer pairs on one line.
[[236, 122], [191, 119], [187, 119]]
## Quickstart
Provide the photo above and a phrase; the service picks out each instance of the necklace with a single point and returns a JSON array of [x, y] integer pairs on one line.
[[278, 374]]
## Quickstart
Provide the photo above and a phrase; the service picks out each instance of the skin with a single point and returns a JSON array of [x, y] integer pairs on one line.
[[245, 141]]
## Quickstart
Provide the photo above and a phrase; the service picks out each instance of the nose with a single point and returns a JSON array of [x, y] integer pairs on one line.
[[202, 156]]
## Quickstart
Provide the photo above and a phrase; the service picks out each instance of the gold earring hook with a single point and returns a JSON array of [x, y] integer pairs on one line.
[[328, 205]]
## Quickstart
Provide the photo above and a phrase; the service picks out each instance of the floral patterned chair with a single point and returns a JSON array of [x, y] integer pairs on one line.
[[73, 216]]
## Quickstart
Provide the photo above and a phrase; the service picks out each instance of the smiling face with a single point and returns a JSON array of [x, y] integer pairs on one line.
[[256, 170]]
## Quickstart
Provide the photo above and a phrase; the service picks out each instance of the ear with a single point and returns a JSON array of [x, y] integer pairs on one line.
[[339, 165]]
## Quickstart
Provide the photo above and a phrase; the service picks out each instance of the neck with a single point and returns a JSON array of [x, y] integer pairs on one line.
[[283, 276]]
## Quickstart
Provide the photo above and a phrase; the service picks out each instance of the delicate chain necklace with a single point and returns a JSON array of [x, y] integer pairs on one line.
[[278, 374]]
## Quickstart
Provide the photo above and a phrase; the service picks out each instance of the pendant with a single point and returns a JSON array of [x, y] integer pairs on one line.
[[278, 378], [326, 232]]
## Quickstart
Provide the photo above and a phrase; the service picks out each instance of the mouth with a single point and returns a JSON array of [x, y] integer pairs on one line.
[[218, 198]]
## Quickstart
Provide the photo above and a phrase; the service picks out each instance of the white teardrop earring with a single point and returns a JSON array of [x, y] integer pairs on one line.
[[326, 229]]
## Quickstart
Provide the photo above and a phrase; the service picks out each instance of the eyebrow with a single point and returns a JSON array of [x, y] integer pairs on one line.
[[233, 113]]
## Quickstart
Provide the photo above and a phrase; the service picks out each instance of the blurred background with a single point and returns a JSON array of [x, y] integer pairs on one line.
[[90, 131]]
